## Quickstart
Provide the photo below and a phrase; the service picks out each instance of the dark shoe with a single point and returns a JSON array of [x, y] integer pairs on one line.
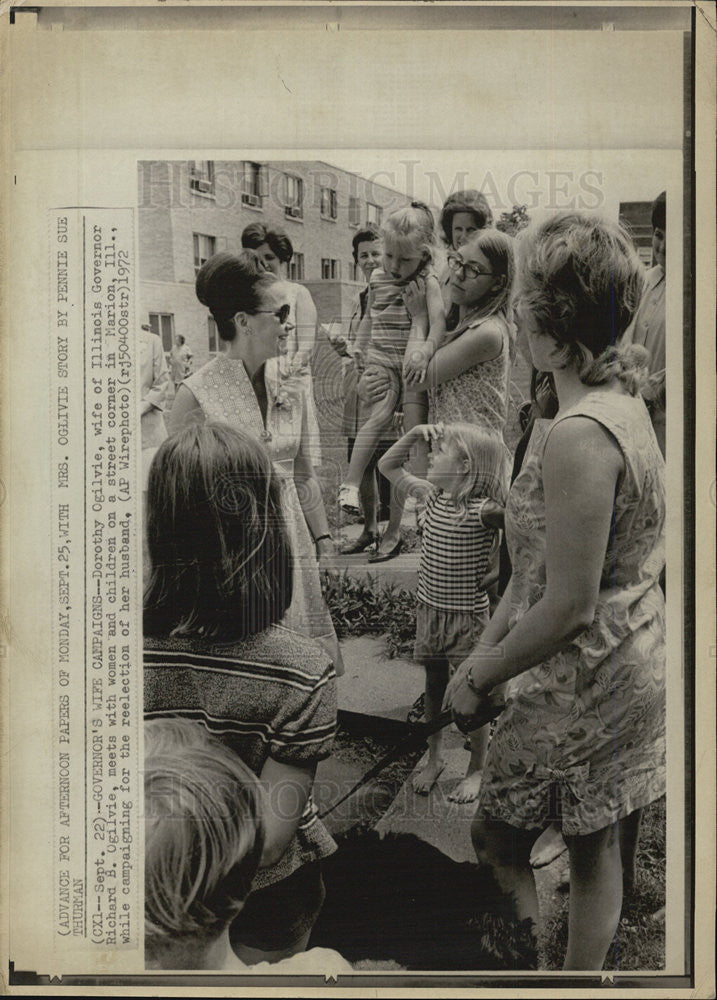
[[363, 542], [385, 556]]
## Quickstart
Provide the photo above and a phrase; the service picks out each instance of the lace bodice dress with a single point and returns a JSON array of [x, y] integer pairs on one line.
[[224, 392]]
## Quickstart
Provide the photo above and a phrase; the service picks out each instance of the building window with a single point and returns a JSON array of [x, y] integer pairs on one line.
[[328, 203], [201, 176], [330, 269], [204, 248], [354, 212], [162, 324], [373, 214], [296, 267], [252, 188], [293, 197], [356, 272]]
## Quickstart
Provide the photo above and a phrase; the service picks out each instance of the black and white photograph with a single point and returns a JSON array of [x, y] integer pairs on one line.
[[364, 500]]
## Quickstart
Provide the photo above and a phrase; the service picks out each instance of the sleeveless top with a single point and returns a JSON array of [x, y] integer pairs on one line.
[[479, 395]]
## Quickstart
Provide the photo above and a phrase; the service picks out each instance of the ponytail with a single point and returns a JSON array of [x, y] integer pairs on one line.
[[628, 364]]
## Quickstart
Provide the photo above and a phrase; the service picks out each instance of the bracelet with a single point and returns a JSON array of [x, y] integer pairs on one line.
[[320, 538], [473, 686]]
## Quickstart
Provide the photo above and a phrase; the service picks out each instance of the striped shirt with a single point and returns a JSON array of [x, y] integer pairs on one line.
[[270, 695], [454, 555]]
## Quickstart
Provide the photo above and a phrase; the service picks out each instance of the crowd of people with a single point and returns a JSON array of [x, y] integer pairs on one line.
[[241, 655]]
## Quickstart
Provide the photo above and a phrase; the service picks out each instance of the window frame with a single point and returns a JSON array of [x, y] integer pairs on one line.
[[158, 327], [202, 182], [331, 211], [196, 238]]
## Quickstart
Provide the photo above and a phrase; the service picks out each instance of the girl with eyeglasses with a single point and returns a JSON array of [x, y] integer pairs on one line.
[[469, 375], [250, 307]]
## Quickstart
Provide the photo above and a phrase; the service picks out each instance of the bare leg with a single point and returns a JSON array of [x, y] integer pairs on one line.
[[392, 532], [436, 684], [467, 790], [369, 502], [595, 897], [507, 850], [369, 434], [415, 411], [629, 834]]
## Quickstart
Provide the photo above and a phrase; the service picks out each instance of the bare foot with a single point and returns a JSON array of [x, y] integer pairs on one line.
[[426, 778], [467, 789], [549, 846]]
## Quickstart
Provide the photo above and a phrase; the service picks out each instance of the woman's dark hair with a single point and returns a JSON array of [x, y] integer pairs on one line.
[[220, 556], [658, 215], [465, 201], [229, 283], [369, 234], [256, 235]]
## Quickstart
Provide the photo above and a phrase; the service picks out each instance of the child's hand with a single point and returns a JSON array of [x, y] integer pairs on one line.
[[335, 337], [359, 358], [415, 366], [414, 298], [429, 432]]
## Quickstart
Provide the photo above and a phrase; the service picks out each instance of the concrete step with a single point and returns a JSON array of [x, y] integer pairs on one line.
[[402, 571], [444, 824], [374, 685]]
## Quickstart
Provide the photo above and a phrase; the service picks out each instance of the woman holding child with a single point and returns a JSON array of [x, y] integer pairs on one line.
[[579, 633]]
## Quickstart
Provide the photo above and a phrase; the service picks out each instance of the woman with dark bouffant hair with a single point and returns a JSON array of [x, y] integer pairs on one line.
[[464, 214], [214, 652], [579, 634], [275, 250], [250, 307]]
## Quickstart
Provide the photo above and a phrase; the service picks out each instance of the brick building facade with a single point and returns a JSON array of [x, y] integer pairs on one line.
[[189, 210]]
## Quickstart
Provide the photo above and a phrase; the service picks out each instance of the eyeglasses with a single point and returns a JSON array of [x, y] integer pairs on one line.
[[457, 264], [282, 313]]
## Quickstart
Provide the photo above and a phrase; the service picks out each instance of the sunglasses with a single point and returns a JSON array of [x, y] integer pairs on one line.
[[457, 264], [282, 313]]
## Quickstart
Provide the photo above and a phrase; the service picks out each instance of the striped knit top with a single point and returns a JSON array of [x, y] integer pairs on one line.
[[269, 695], [390, 319], [454, 555]]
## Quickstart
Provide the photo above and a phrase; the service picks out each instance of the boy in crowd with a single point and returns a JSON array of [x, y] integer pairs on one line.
[[204, 836]]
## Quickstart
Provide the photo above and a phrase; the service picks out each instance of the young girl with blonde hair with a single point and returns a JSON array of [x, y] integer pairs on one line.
[[463, 497], [389, 339]]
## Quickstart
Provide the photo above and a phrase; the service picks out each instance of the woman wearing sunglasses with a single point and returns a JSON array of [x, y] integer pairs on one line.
[[251, 309]]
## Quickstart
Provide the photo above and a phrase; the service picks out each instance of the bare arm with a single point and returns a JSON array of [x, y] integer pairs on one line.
[[581, 467], [312, 503], [425, 303], [280, 824], [185, 410], [482, 343], [391, 464]]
